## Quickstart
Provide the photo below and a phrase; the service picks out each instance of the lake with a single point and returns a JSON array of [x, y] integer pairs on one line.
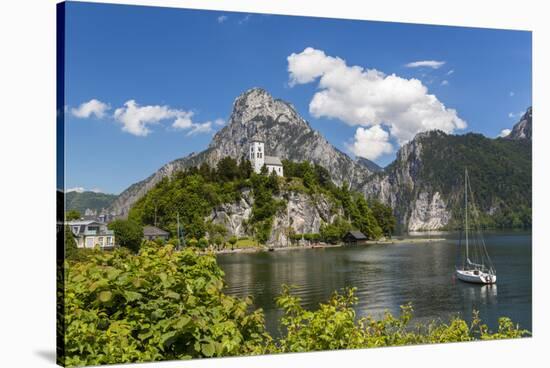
[[387, 276]]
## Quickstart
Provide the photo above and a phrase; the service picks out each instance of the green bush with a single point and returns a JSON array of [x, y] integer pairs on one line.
[[335, 326], [157, 305], [163, 304], [128, 233]]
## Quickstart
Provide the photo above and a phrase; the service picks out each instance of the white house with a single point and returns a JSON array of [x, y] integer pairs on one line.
[[258, 159], [90, 233]]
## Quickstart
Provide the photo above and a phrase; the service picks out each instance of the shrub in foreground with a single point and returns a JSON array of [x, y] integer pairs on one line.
[[157, 305], [162, 304]]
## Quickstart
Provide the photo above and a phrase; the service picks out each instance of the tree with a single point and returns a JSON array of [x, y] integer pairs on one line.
[[72, 215], [202, 243], [384, 217], [245, 168], [128, 233], [70, 242], [227, 169], [192, 242], [232, 240]]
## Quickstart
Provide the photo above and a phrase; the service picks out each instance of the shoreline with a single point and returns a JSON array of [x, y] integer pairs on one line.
[[325, 245]]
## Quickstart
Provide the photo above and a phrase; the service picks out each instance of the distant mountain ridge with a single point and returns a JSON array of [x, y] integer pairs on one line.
[[421, 184], [88, 200]]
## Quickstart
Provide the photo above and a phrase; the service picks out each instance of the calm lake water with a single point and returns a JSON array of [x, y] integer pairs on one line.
[[387, 276]]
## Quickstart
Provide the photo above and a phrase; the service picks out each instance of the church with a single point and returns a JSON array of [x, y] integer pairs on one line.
[[258, 159]]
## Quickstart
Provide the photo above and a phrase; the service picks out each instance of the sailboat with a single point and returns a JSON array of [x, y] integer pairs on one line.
[[474, 264]]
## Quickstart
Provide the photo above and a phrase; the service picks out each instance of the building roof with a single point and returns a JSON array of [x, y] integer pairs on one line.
[[272, 160], [149, 230], [82, 222], [357, 235]]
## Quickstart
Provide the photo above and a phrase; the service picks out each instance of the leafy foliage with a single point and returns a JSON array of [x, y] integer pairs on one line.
[[157, 305], [72, 215], [335, 326], [128, 233], [162, 304]]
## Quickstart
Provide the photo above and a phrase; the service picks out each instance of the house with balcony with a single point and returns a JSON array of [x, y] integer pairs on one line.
[[89, 234]]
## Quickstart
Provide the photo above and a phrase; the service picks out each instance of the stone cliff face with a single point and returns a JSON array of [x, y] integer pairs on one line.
[[524, 128], [303, 214], [415, 205], [424, 184], [257, 114]]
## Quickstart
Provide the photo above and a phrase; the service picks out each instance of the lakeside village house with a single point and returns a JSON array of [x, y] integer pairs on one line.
[[258, 159], [89, 233]]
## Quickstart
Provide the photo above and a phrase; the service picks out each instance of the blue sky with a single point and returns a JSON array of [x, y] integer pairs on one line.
[[190, 65]]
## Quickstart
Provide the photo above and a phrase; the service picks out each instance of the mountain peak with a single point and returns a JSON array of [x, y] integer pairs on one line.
[[256, 104], [523, 129]]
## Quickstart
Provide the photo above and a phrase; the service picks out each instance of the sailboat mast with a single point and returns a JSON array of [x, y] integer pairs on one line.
[[466, 209]]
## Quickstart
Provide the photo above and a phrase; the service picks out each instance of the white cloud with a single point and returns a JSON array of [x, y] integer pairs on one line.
[[75, 189], [245, 19], [219, 122], [184, 121], [371, 143], [92, 107], [136, 119], [434, 64], [504, 133], [222, 18], [95, 190], [514, 115], [200, 128], [445, 83], [450, 72], [512, 93], [368, 97]]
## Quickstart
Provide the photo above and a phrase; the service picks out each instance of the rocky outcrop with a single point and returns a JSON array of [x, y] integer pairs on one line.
[[257, 114], [524, 128], [429, 212], [303, 214], [234, 215]]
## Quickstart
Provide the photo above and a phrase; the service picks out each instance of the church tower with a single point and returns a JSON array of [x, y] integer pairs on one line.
[[257, 155]]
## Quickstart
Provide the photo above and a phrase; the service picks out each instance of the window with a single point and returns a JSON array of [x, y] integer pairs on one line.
[[259, 148], [100, 241], [279, 169], [109, 240], [90, 242], [251, 155], [75, 229]]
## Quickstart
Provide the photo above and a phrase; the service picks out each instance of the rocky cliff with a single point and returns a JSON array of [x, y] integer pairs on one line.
[[524, 128], [257, 114], [303, 214], [424, 184]]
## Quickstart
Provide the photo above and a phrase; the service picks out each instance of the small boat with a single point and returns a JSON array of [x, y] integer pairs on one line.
[[473, 262]]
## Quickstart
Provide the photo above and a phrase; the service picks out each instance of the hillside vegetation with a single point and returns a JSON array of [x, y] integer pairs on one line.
[[88, 200], [193, 194]]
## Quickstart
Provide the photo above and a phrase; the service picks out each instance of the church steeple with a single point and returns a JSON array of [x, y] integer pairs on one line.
[[257, 155]]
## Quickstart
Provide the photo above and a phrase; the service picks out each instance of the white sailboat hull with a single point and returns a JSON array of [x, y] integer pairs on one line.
[[476, 277]]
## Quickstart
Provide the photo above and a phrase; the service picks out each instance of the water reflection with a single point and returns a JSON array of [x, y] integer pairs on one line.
[[387, 276]]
